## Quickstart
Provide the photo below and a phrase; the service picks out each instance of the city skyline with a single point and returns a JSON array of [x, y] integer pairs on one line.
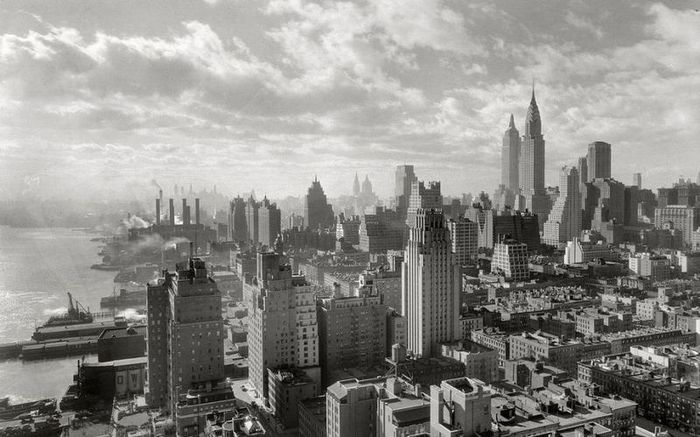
[[266, 96]]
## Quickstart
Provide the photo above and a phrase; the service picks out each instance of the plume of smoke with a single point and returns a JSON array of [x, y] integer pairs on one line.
[[173, 242], [135, 222], [155, 183]]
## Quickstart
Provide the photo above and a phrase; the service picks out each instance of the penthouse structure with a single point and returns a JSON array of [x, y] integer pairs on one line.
[[431, 284], [283, 328]]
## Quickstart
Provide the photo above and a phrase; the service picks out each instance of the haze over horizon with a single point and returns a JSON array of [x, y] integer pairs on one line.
[[98, 98]]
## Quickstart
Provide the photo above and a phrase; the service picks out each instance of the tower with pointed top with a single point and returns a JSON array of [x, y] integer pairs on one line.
[[510, 155], [356, 187], [317, 211], [532, 158]]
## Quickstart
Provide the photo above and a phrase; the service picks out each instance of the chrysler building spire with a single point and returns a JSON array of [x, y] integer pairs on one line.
[[533, 124]]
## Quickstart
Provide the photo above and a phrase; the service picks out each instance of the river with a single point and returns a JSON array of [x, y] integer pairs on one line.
[[37, 268]]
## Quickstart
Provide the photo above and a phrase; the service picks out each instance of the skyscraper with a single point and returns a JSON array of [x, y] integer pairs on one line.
[[317, 212], [283, 330], [251, 215], [532, 158], [599, 160], [269, 223], [464, 235], [425, 196], [356, 186], [564, 221], [431, 284], [582, 170], [637, 180], [405, 176], [510, 155], [185, 346], [237, 220]]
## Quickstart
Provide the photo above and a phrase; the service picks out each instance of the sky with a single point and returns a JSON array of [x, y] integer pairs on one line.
[[97, 98]]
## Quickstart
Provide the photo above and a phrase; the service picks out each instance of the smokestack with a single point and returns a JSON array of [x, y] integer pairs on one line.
[[184, 211], [160, 196], [172, 212], [189, 215], [191, 249], [196, 210], [158, 212]]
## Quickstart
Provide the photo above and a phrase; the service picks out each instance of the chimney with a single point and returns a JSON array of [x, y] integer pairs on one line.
[[172, 212], [191, 249], [158, 212], [196, 210], [189, 215], [184, 211]]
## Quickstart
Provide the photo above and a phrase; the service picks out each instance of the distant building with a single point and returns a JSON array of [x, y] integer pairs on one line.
[[551, 349], [465, 240], [599, 160], [237, 222], [269, 223], [637, 180], [532, 162], [577, 252], [317, 211], [510, 260], [654, 267], [423, 196], [510, 157], [564, 221], [684, 218], [405, 177], [381, 231]]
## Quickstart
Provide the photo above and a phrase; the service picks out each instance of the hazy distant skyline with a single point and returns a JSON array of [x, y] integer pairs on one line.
[[103, 96]]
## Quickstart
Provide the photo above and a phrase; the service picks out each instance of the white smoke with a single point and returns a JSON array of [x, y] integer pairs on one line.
[[132, 315], [135, 222], [55, 311]]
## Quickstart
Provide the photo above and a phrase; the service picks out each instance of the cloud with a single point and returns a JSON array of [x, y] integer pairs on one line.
[[582, 23]]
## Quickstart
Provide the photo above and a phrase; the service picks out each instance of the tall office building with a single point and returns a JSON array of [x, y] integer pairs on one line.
[[356, 186], [431, 285], [599, 160], [564, 221], [185, 346], [532, 160], [405, 177], [283, 330], [582, 170], [510, 155], [637, 180], [464, 235], [237, 224], [605, 196], [682, 217], [251, 218], [269, 223], [317, 212], [423, 196]]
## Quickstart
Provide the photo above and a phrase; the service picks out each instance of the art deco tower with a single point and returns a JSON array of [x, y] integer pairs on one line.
[[317, 212], [431, 284], [510, 155], [531, 174]]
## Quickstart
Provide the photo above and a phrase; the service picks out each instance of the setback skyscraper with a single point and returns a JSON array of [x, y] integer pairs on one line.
[[405, 176], [510, 155], [532, 158], [431, 285], [564, 221], [317, 212]]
